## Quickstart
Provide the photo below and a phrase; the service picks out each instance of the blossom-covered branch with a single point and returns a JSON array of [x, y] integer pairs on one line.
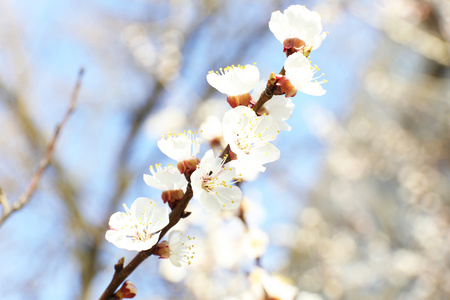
[[248, 130]]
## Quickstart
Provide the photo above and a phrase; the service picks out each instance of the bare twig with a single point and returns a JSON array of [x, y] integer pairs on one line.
[[43, 164]]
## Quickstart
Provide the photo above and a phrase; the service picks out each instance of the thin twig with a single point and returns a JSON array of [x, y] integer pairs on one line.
[[43, 164], [266, 95]]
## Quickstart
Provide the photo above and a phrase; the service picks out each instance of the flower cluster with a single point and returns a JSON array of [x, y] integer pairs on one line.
[[248, 130]]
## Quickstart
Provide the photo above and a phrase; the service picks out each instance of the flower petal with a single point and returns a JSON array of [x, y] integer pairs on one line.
[[209, 202]]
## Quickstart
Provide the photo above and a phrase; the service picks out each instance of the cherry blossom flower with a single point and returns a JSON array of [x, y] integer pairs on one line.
[[179, 249], [182, 147], [250, 135], [297, 27], [212, 184], [236, 82], [138, 228], [255, 242], [165, 179], [300, 73], [169, 180]]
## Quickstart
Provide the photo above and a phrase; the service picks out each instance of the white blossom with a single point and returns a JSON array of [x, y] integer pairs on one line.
[[180, 146], [234, 81], [255, 242], [138, 228], [249, 136], [212, 184], [298, 22], [181, 248], [166, 179], [301, 74]]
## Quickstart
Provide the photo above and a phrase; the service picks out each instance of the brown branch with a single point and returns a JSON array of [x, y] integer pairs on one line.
[[122, 274], [43, 164], [267, 94]]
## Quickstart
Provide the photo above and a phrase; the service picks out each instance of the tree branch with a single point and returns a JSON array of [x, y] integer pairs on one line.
[[43, 164]]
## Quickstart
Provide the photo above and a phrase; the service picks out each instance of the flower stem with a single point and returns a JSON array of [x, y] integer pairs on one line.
[[267, 94]]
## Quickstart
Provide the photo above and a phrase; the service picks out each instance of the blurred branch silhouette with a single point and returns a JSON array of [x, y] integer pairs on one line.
[[9, 208]]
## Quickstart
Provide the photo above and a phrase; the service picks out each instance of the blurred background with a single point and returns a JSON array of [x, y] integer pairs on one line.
[[357, 207]]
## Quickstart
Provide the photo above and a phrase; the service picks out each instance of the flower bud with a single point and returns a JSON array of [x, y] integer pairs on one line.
[[188, 165], [307, 50], [128, 290], [292, 45], [172, 195], [119, 266], [238, 100], [162, 250], [273, 78], [285, 87]]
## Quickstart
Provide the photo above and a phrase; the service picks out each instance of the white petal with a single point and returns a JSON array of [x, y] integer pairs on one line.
[[279, 26], [246, 169], [298, 68], [312, 88], [153, 182], [300, 73], [176, 148], [266, 153], [141, 205], [267, 129], [280, 107], [174, 237], [234, 81], [209, 202], [113, 236], [174, 260], [297, 22], [196, 183], [118, 220], [305, 24], [228, 197], [159, 217]]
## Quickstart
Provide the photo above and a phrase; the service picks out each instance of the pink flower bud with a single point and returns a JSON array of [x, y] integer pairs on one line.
[[172, 195], [285, 87], [162, 250], [128, 290], [188, 165], [239, 100], [292, 45]]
